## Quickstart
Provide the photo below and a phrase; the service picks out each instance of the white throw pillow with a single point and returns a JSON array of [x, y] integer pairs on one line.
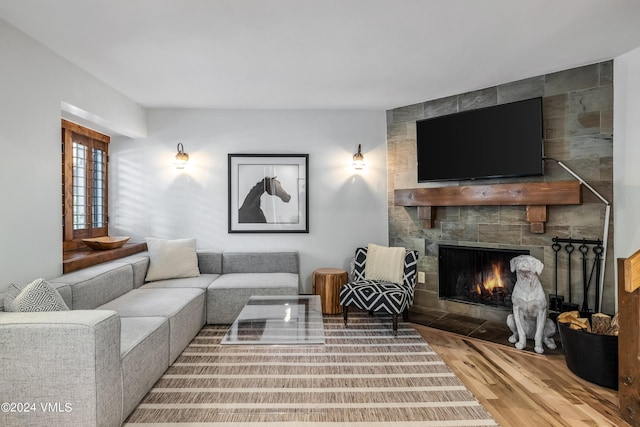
[[384, 263], [36, 296], [172, 259]]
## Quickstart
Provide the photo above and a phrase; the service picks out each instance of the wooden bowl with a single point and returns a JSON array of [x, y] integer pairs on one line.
[[106, 242]]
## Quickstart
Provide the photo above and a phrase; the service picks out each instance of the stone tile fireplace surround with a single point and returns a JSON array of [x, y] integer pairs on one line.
[[578, 130]]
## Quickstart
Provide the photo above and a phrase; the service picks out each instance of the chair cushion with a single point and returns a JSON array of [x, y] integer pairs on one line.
[[385, 263], [376, 295], [380, 295], [410, 267]]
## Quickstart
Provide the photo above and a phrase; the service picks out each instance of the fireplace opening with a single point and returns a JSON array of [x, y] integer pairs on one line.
[[477, 275]]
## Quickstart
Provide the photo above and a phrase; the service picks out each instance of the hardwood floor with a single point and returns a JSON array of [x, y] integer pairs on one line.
[[524, 389]]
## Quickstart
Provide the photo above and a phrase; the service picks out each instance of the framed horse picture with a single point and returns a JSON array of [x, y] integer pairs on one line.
[[268, 193]]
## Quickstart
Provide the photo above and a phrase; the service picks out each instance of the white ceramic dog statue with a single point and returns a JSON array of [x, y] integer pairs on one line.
[[529, 319]]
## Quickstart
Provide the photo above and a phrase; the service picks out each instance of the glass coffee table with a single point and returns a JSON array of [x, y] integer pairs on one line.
[[278, 319]]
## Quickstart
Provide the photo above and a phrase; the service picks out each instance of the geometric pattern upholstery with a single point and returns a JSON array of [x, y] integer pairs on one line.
[[38, 296], [378, 295]]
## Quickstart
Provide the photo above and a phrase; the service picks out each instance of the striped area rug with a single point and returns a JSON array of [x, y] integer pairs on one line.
[[362, 376]]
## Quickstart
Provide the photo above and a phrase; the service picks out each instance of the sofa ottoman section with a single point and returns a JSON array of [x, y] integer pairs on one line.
[[185, 309], [227, 295], [144, 349]]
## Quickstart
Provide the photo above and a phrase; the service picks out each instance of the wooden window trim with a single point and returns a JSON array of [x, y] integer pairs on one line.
[[72, 238]]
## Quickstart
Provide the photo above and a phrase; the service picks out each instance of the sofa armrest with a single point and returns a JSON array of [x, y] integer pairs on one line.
[[60, 368]]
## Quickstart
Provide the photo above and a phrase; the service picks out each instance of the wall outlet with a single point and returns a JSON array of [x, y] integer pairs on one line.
[[421, 277]]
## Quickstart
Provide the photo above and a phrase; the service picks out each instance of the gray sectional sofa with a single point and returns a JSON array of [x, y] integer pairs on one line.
[[91, 365]]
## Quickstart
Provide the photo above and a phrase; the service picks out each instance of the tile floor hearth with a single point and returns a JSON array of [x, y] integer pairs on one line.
[[472, 327]]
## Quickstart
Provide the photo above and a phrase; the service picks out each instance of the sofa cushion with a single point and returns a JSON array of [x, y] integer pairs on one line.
[[139, 263], [171, 259], [255, 280], [203, 281], [230, 292], [184, 307], [209, 262], [260, 262], [94, 286], [144, 349], [36, 296]]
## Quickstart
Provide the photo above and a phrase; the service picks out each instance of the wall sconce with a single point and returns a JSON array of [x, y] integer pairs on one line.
[[181, 158], [358, 159]]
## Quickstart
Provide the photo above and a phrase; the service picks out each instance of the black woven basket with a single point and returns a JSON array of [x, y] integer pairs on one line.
[[592, 357]]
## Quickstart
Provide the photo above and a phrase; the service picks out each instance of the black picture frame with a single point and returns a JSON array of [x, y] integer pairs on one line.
[[285, 180]]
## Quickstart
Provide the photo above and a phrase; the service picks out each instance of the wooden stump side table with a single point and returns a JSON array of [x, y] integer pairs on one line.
[[326, 283]]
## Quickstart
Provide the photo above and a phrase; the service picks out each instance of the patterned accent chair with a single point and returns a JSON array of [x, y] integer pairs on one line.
[[376, 295]]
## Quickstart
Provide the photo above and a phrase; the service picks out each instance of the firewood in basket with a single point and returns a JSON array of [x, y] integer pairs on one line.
[[581, 323], [600, 323], [614, 328], [566, 316]]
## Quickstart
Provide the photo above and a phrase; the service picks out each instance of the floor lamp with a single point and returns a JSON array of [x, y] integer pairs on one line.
[[607, 213]]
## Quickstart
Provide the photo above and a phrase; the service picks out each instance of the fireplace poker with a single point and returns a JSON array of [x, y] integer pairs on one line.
[[585, 283], [569, 248], [599, 251], [555, 301]]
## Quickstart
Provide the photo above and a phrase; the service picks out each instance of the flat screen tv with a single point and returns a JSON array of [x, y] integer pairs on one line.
[[499, 141]]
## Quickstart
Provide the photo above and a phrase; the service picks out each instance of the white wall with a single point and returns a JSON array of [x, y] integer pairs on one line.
[[626, 154], [34, 82], [149, 197]]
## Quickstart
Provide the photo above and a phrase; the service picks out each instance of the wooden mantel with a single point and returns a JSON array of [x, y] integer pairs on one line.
[[536, 196]]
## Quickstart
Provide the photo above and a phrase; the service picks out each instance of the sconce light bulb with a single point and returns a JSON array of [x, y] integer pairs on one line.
[[181, 158], [358, 159]]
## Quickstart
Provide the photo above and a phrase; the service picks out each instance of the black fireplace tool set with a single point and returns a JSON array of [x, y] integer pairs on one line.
[[590, 274]]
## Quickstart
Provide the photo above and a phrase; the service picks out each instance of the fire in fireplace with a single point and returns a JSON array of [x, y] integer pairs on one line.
[[477, 275]]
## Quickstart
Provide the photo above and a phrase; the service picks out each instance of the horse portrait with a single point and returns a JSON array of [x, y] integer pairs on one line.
[[251, 211]]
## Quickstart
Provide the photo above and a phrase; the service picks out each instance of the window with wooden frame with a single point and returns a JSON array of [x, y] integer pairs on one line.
[[84, 184]]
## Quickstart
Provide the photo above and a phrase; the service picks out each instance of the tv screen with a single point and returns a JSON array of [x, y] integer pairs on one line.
[[499, 141]]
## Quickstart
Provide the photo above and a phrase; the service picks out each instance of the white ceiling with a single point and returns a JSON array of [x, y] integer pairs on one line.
[[371, 54]]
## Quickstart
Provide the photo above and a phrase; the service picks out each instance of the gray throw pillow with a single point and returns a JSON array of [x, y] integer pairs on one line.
[[12, 292], [36, 296]]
